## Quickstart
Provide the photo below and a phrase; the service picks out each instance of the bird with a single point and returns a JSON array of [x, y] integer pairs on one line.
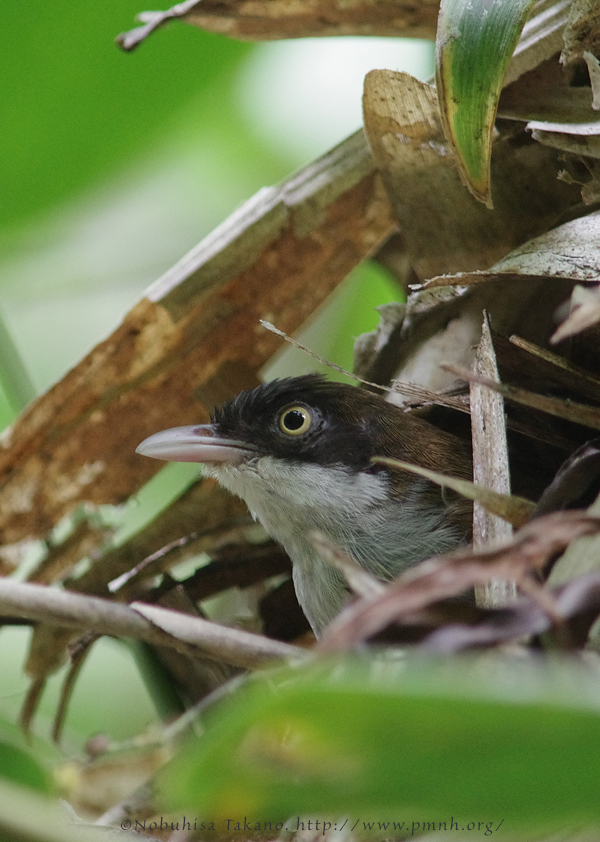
[[299, 452]]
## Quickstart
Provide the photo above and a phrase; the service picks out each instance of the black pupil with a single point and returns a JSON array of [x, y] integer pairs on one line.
[[293, 419]]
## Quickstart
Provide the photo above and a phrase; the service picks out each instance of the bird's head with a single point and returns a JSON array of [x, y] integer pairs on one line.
[[302, 419], [303, 422]]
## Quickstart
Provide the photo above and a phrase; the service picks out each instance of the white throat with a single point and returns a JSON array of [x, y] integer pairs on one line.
[[353, 511]]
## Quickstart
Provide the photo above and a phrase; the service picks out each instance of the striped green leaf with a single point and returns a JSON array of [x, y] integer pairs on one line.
[[475, 42]]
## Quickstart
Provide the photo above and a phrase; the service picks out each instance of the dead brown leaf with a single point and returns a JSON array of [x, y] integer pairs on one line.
[[570, 252], [577, 604], [558, 114], [546, 370], [545, 94], [403, 128]]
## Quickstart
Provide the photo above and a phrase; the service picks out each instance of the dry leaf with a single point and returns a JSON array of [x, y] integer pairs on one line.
[[577, 604], [545, 370], [403, 128], [558, 114], [544, 94], [570, 252]]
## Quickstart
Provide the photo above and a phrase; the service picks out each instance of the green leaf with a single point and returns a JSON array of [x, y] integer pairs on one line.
[[24, 762], [75, 108], [19, 767], [495, 740], [475, 42], [14, 378]]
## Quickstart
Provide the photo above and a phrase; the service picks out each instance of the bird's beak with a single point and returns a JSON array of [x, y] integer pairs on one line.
[[194, 444]]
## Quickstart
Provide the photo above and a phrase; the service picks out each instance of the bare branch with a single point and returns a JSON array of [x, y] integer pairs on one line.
[[192, 636]]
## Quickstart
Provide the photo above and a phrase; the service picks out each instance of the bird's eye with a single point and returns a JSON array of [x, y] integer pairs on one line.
[[295, 420]]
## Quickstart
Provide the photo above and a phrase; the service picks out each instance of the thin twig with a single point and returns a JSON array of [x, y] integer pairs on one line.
[[411, 389], [192, 636]]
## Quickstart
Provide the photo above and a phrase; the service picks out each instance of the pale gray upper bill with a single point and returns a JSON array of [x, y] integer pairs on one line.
[[194, 444]]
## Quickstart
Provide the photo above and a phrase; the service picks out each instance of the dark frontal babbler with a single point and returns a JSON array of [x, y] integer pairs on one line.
[[299, 452]]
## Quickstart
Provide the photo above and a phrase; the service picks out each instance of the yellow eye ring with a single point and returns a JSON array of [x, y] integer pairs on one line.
[[295, 420]]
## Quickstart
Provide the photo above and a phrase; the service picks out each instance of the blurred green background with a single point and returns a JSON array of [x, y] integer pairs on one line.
[[113, 166]]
